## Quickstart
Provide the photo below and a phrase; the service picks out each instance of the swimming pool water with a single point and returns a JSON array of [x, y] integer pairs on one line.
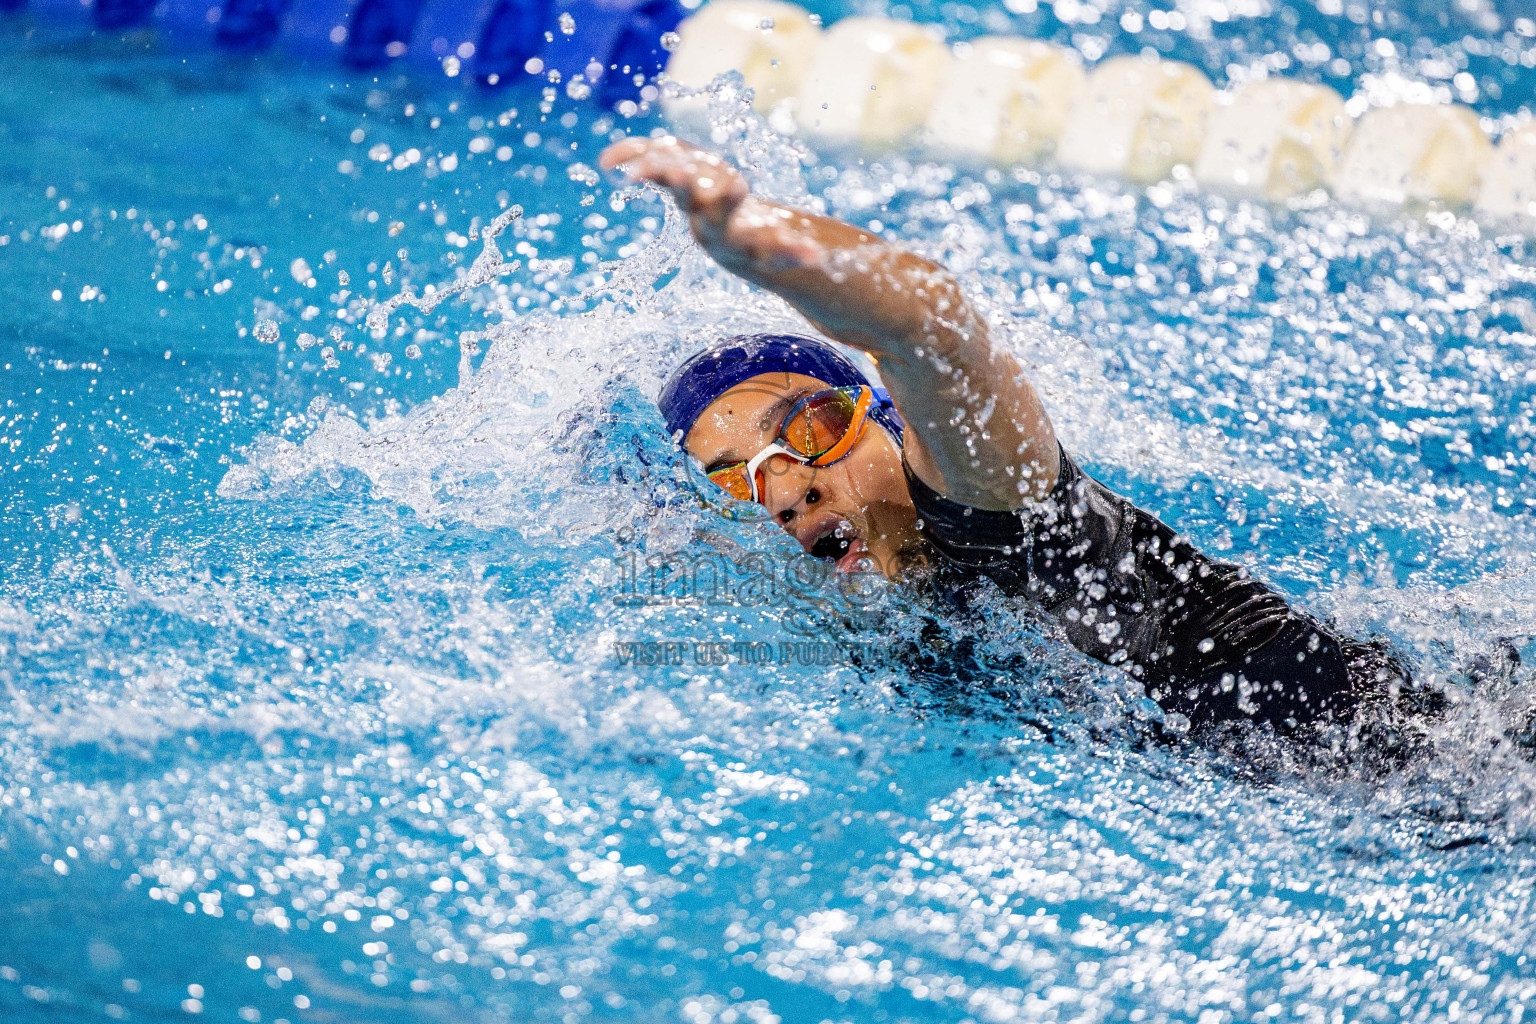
[[321, 699]]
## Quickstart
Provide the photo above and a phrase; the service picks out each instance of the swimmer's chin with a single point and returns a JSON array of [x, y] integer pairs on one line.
[[907, 564]]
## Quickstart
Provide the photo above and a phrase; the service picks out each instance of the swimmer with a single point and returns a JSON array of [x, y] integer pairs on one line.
[[957, 464]]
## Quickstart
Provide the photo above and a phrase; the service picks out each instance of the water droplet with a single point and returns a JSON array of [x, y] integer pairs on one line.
[[307, 340], [343, 278], [669, 41], [377, 320], [581, 173], [567, 23], [413, 351], [266, 331]]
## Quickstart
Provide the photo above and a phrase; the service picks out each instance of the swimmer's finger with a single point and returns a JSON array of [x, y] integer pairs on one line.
[[669, 169], [679, 179], [646, 158], [622, 152], [627, 151], [699, 185]]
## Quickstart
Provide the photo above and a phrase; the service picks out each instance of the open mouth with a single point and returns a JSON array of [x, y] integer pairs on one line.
[[841, 545]]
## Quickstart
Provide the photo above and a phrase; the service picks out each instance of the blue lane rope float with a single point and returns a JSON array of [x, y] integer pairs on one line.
[[380, 31], [118, 15], [636, 50], [512, 35], [250, 24], [613, 47]]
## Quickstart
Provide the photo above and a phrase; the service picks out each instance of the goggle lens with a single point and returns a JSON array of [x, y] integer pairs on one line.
[[821, 421], [733, 480]]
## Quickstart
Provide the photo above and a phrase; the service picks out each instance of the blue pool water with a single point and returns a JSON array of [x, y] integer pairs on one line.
[[319, 695]]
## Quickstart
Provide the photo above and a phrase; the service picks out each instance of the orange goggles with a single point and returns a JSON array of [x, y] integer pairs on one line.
[[820, 429]]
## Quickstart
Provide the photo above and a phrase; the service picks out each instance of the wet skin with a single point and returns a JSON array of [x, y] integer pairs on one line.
[[854, 510]]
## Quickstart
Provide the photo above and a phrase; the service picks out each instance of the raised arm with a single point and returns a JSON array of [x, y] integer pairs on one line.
[[977, 432]]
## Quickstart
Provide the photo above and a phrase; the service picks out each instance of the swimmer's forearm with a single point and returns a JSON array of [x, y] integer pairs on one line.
[[847, 280], [977, 430], [844, 279]]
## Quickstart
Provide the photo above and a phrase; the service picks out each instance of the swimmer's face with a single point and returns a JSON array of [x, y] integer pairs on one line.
[[856, 508]]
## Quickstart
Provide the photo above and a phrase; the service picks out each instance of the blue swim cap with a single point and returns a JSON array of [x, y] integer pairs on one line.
[[720, 367]]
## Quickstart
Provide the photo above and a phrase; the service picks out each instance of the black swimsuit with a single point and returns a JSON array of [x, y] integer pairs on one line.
[[1206, 639]]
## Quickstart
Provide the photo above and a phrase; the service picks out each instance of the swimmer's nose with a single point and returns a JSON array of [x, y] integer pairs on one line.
[[789, 489]]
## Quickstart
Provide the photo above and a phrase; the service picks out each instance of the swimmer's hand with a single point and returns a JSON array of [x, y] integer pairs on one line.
[[976, 431], [742, 234]]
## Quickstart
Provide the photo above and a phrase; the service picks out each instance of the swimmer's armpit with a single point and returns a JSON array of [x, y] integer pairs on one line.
[[977, 431]]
